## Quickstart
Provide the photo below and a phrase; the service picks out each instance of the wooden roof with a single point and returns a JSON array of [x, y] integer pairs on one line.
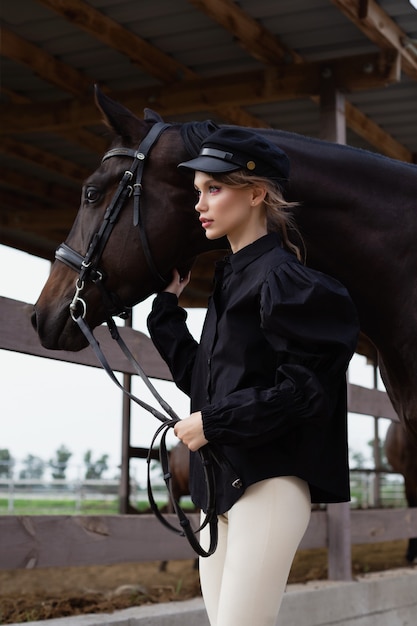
[[254, 62]]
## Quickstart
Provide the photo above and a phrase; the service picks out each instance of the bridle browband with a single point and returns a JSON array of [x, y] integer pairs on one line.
[[88, 269]]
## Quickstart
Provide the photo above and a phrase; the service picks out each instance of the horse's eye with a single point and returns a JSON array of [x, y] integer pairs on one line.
[[91, 194]]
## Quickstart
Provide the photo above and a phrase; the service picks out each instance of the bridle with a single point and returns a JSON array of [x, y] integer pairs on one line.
[[131, 183], [87, 267]]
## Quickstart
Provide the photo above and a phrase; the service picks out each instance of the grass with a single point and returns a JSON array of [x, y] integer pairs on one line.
[[56, 506], [48, 506]]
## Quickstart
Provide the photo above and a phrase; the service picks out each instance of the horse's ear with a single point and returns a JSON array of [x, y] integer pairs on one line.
[[117, 117], [152, 116]]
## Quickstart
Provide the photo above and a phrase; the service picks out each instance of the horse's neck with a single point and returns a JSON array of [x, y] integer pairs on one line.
[[324, 173]]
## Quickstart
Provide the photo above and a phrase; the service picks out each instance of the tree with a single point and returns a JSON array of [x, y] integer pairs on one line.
[[357, 459], [34, 467], [60, 462], [95, 469], [382, 456], [6, 463]]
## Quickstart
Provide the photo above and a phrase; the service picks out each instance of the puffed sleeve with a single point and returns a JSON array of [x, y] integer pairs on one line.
[[309, 318], [171, 337], [310, 321]]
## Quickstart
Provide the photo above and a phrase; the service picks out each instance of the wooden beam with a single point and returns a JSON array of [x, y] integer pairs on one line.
[[257, 40], [40, 158], [375, 525], [27, 214], [372, 402], [79, 136], [150, 59], [58, 74], [43, 64], [376, 136], [48, 192], [17, 334], [377, 25], [269, 85], [251, 36], [42, 541]]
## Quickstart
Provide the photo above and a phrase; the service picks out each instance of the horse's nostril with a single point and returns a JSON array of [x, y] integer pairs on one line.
[[34, 320]]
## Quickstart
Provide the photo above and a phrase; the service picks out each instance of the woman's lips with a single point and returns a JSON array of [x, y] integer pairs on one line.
[[205, 223]]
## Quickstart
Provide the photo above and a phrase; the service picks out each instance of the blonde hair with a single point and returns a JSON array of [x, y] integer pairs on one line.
[[278, 217]]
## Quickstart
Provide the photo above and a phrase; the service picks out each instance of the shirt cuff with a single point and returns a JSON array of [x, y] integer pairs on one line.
[[210, 423]]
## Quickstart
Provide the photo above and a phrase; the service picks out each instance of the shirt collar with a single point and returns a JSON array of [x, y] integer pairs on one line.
[[251, 252]]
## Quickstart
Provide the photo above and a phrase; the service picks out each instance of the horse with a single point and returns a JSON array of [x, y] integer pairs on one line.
[[356, 213], [401, 454], [179, 459]]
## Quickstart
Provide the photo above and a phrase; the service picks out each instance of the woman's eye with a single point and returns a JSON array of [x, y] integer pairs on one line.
[[92, 194], [214, 189]]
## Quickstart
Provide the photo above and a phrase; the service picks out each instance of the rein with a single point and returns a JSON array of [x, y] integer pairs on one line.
[[88, 270]]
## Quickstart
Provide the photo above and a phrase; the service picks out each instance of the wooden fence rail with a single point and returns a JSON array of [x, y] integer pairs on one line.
[[65, 541]]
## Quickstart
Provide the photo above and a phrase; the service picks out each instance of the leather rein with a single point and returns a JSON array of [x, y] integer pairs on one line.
[[87, 268]]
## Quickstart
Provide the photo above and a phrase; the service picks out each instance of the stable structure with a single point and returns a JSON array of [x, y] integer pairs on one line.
[[342, 70], [256, 63]]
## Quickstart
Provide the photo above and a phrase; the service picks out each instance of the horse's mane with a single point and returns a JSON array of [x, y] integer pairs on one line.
[[274, 134], [193, 134]]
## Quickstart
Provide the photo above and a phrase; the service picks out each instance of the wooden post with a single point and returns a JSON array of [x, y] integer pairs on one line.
[[332, 112], [339, 560], [377, 450], [124, 487], [333, 128]]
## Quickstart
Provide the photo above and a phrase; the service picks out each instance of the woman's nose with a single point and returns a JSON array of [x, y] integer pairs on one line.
[[200, 205]]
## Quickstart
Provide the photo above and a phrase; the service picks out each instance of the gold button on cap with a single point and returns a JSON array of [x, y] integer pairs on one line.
[[251, 165]]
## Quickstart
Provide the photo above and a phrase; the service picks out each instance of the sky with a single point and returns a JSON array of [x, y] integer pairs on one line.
[[45, 403]]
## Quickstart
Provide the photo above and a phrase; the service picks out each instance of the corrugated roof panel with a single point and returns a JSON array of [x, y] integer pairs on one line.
[[298, 116], [26, 83], [316, 29]]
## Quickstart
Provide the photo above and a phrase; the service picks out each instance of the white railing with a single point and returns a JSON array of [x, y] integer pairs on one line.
[[106, 490], [60, 489]]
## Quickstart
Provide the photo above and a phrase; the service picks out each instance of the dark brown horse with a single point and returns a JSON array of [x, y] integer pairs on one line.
[[401, 454], [357, 214], [179, 463]]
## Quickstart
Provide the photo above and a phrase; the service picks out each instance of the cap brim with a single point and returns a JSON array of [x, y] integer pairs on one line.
[[209, 165]]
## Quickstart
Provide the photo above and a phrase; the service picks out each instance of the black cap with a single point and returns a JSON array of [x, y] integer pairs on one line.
[[232, 148]]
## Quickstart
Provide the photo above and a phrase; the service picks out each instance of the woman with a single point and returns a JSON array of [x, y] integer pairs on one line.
[[267, 380]]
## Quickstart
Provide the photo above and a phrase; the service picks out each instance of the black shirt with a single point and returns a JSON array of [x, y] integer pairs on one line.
[[269, 373]]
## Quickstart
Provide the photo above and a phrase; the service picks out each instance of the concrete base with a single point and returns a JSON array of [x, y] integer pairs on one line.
[[382, 599]]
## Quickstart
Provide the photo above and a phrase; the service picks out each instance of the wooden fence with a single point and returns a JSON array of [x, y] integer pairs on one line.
[[49, 541]]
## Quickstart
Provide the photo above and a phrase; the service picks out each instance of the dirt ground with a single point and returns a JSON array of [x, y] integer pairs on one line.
[[29, 595]]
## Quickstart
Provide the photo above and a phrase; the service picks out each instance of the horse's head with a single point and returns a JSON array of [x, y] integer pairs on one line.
[[116, 255]]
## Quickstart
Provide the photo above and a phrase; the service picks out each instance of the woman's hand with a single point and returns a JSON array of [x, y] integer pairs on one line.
[[178, 283], [190, 431]]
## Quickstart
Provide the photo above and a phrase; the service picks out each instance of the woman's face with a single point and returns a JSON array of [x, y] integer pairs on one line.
[[227, 211]]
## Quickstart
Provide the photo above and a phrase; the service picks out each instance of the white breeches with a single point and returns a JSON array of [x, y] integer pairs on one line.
[[244, 580]]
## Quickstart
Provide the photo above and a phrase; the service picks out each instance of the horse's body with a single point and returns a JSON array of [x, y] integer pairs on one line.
[[357, 214], [179, 465], [401, 455]]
